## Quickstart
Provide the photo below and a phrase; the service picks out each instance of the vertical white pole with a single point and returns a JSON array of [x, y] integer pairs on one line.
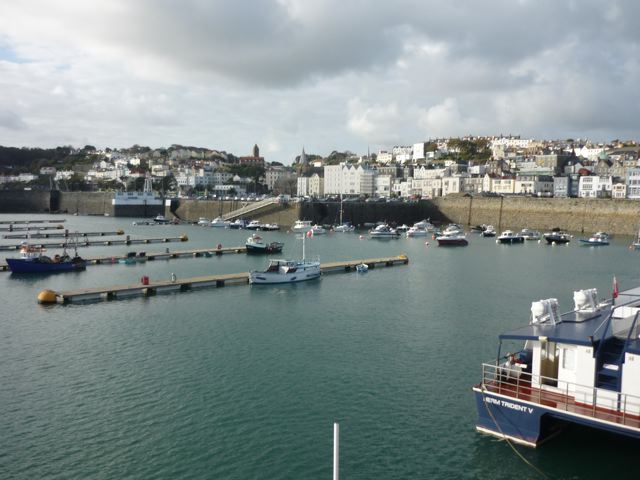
[[336, 450]]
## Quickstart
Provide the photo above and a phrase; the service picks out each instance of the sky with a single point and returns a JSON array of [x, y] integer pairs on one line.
[[323, 74]]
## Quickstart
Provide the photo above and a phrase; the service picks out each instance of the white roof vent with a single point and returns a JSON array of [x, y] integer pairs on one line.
[[586, 300], [544, 311]]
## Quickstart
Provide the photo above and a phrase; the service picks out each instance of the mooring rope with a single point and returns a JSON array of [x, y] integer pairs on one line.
[[515, 450]]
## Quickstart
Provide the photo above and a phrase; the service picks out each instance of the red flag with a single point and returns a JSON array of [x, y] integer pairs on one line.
[[615, 287], [310, 233]]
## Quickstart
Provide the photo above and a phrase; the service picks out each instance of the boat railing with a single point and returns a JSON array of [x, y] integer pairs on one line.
[[513, 381]]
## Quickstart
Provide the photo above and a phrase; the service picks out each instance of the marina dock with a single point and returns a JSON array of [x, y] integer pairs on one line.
[[21, 222], [65, 234], [100, 243], [149, 288], [25, 228], [166, 255]]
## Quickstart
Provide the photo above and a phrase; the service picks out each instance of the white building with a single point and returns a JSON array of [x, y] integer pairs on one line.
[[349, 179], [384, 157], [384, 186], [633, 183], [451, 185], [594, 187]]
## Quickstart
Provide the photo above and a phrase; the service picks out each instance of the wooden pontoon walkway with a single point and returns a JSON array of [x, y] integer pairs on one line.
[[166, 255], [100, 243], [19, 222], [185, 284], [25, 228], [65, 234]]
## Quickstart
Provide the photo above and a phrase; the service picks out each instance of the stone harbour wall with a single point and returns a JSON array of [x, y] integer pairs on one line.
[[25, 201]]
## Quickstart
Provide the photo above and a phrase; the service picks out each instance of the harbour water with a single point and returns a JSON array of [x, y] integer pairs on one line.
[[246, 382]]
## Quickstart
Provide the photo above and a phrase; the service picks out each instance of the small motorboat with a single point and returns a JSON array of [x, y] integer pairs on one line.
[[270, 227], [384, 231], [362, 268], [317, 230], [218, 222], [238, 224], [489, 231], [403, 228], [452, 240], [204, 222], [255, 244], [161, 219], [254, 225], [417, 232], [530, 234], [597, 239], [344, 228], [557, 238], [510, 237], [301, 226]]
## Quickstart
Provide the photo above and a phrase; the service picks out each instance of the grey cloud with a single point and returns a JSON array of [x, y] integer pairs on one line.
[[11, 121]]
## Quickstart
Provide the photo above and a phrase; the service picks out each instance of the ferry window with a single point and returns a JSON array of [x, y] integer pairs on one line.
[[568, 359]]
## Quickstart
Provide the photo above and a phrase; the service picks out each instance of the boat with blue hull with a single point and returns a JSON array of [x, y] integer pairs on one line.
[[580, 367], [33, 260]]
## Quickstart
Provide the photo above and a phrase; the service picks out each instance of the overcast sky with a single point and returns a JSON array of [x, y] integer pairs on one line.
[[323, 74]]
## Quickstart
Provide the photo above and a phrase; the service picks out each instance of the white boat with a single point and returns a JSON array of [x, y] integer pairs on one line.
[[362, 268], [490, 231], [426, 224], [302, 226], [287, 271], [510, 237], [255, 244], [383, 231], [318, 230], [530, 234], [453, 229], [344, 228], [254, 225], [218, 222], [161, 219], [270, 227], [597, 239], [452, 239], [402, 228], [204, 221], [417, 232]]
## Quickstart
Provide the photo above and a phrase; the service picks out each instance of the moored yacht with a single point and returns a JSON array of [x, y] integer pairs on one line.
[[489, 231], [254, 225], [287, 271], [580, 367], [218, 222], [417, 232], [557, 237], [202, 221], [344, 228]]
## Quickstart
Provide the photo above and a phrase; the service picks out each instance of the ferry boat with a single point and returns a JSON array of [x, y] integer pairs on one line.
[[580, 367], [510, 237], [287, 271], [597, 239], [255, 244], [146, 197], [33, 260]]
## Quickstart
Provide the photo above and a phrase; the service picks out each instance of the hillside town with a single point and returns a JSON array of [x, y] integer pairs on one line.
[[490, 166]]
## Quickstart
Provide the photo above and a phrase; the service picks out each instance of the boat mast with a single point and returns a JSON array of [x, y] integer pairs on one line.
[[340, 208], [304, 235]]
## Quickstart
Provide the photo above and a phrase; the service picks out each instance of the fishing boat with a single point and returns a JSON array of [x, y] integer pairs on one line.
[[287, 271], [580, 367], [384, 231], [596, 240], [510, 237], [255, 244], [33, 260]]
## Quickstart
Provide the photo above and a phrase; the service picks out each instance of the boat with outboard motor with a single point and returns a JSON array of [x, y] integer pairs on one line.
[[255, 244], [344, 228], [218, 222], [530, 234], [287, 271], [580, 367], [302, 226], [596, 240]]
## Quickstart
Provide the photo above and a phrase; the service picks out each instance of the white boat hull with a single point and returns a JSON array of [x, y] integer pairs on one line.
[[300, 275]]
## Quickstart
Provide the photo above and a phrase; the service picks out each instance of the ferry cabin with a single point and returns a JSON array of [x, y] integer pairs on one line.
[[579, 367]]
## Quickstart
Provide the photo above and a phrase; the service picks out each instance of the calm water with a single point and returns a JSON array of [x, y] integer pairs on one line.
[[246, 382]]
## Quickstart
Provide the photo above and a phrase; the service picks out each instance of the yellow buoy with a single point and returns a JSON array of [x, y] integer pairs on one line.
[[120, 232], [184, 238], [47, 296]]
